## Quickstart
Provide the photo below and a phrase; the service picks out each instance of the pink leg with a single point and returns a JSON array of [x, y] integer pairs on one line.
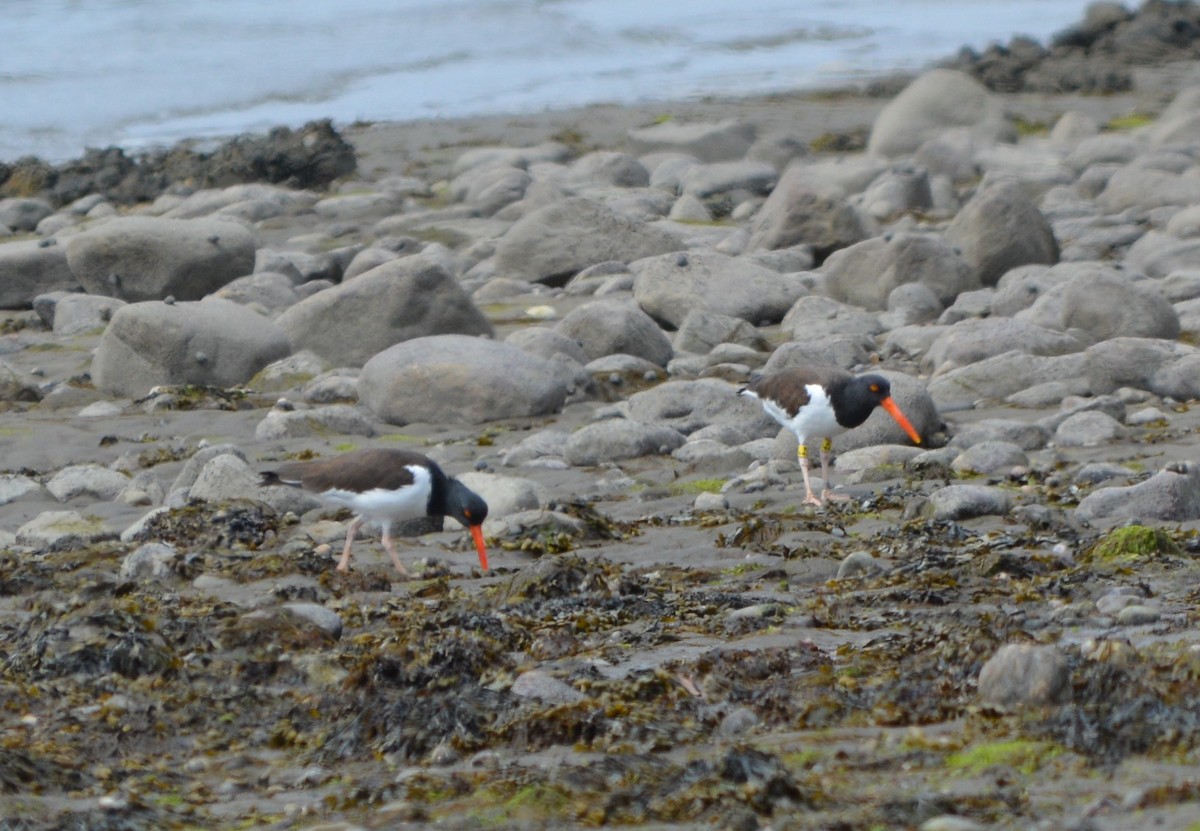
[[344, 563], [391, 549], [809, 497]]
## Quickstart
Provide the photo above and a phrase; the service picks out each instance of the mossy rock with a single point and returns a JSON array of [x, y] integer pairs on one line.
[[1025, 756], [1133, 542]]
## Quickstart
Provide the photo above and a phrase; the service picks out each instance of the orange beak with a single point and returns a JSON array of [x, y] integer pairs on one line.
[[477, 535], [894, 411]]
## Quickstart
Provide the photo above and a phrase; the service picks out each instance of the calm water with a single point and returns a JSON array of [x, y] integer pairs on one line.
[[79, 73]]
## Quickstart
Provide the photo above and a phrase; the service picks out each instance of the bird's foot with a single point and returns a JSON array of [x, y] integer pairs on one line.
[[833, 496], [811, 499], [343, 567]]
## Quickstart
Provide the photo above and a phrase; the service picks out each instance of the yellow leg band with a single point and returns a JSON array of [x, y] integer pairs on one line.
[[827, 445], [802, 452]]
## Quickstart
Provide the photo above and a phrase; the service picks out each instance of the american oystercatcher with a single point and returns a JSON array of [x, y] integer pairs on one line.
[[386, 486], [821, 403]]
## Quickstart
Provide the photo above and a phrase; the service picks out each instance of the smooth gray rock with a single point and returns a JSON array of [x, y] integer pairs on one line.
[[15, 487], [700, 331], [842, 351], [805, 207], [139, 258], [327, 620], [866, 273], [1024, 435], [709, 180], [28, 269], [1105, 304], [1166, 496], [226, 477], [1137, 614], [911, 303], [990, 457], [859, 563], [77, 314], [1162, 367], [612, 326], [23, 213], [957, 502], [976, 339], [1000, 229], [16, 385], [607, 167], [554, 242], [1024, 675], [705, 141], [90, 480], [490, 187], [1088, 429], [667, 287], [814, 319], [63, 530], [615, 439], [408, 298], [934, 103], [897, 191], [522, 157], [462, 380], [541, 444], [1157, 254], [211, 343], [290, 372], [333, 419], [1135, 186], [688, 406], [1001, 376]]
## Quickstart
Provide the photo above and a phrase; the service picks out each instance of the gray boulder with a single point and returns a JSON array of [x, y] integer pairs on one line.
[[411, 297], [990, 457], [92, 481], [806, 207], [688, 406], [935, 102], [616, 439], [814, 319], [866, 273], [1157, 254], [705, 181], [490, 187], [613, 326], [1167, 496], [23, 213], [1105, 304], [139, 258], [28, 269], [1136, 186], [455, 379], [1000, 229], [956, 502], [708, 142], [842, 351], [995, 378], [667, 287], [1088, 429], [700, 331], [975, 339], [1162, 367], [607, 167], [1025, 675], [554, 242], [333, 419], [63, 530], [210, 343], [76, 314]]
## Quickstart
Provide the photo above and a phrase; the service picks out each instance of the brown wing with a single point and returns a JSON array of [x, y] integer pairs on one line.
[[358, 471], [787, 388]]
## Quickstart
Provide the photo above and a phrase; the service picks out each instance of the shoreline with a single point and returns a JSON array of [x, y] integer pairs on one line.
[[393, 147]]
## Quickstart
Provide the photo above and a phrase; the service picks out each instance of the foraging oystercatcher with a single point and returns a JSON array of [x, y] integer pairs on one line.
[[822, 402], [386, 486]]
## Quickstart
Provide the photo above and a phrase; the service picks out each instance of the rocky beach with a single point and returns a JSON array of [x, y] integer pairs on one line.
[[996, 628]]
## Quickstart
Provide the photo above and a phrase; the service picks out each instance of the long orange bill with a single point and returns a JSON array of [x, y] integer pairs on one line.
[[894, 411], [477, 534]]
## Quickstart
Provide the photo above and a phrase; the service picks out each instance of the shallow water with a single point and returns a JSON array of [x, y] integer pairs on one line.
[[139, 72]]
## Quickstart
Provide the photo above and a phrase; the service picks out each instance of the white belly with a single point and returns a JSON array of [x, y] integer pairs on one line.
[[815, 419]]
